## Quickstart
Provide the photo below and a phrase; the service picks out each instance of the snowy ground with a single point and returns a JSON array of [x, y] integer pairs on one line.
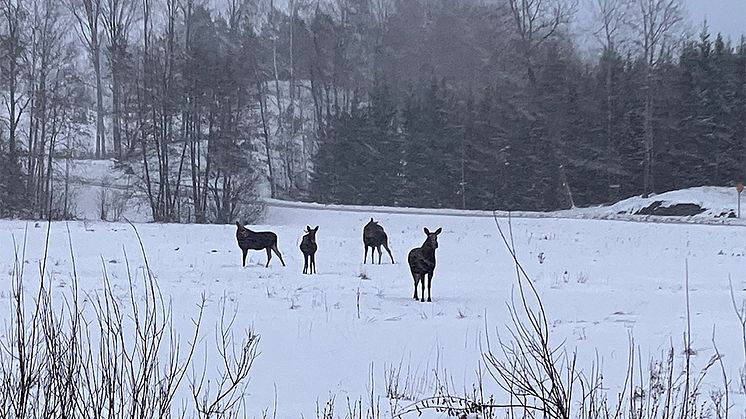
[[719, 205], [600, 281]]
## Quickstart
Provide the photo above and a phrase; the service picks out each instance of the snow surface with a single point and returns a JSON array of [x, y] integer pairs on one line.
[[600, 281], [90, 180], [715, 200]]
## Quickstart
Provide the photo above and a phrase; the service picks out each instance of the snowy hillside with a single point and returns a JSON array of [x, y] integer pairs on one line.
[[331, 334]]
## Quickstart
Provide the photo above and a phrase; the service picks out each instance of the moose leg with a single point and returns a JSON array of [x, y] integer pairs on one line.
[[277, 252], [365, 258], [429, 283], [379, 253], [305, 263], [416, 283], [245, 252], [386, 246], [269, 257], [313, 263], [422, 284]]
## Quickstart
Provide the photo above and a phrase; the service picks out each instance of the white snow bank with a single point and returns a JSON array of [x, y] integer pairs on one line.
[[717, 203]]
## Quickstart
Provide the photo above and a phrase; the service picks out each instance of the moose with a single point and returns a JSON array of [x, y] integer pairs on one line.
[[308, 246], [257, 240], [422, 263], [374, 237]]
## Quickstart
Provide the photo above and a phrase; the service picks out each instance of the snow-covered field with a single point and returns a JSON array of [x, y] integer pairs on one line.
[[325, 335]]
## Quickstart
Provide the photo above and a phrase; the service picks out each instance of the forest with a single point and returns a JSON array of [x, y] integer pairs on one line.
[[503, 104]]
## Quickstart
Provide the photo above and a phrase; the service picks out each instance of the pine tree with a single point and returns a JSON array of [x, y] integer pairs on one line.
[[486, 154], [631, 133], [608, 127], [384, 163], [340, 172], [432, 143]]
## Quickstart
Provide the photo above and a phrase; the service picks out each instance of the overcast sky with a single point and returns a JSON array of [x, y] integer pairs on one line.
[[726, 16]]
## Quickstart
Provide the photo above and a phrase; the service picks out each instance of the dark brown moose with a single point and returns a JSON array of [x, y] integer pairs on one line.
[[308, 246], [257, 240], [422, 263], [374, 237]]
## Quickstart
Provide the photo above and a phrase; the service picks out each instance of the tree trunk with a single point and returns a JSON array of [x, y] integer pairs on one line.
[[276, 70], [265, 133], [610, 179], [116, 112], [291, 87], [100, 136], [143, 100], [649, 138]]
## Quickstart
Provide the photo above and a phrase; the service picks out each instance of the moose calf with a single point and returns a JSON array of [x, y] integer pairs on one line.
[[422, 263], [257, 240], [374, 237], [308, 247]]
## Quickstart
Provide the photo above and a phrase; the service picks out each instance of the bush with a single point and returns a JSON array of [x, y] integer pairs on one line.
[[103, 357]]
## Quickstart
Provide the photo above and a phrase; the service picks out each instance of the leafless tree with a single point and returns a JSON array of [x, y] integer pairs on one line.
[[117, 19], [14, 49], [266, 135], [52, 93], [275, 34], [87, 14], [158, 100], [382, 9], [656, 23], [145, 99], [536, 21], [612, 18]]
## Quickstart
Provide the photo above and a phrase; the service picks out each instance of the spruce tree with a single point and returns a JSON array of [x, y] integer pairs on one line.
[[383, 172]]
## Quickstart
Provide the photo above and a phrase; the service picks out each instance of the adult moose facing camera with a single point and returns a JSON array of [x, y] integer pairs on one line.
[[374, 237], [257, 240], [308, 246], [422, 263]]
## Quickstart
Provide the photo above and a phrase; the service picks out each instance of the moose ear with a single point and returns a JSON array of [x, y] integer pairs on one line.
[[238, 224], [316, 229], [308, 228], [438, 230], [427, 231], [371, 219]]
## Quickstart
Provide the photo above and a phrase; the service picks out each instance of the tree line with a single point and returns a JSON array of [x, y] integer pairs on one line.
[[535, 124], [444, 103]]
